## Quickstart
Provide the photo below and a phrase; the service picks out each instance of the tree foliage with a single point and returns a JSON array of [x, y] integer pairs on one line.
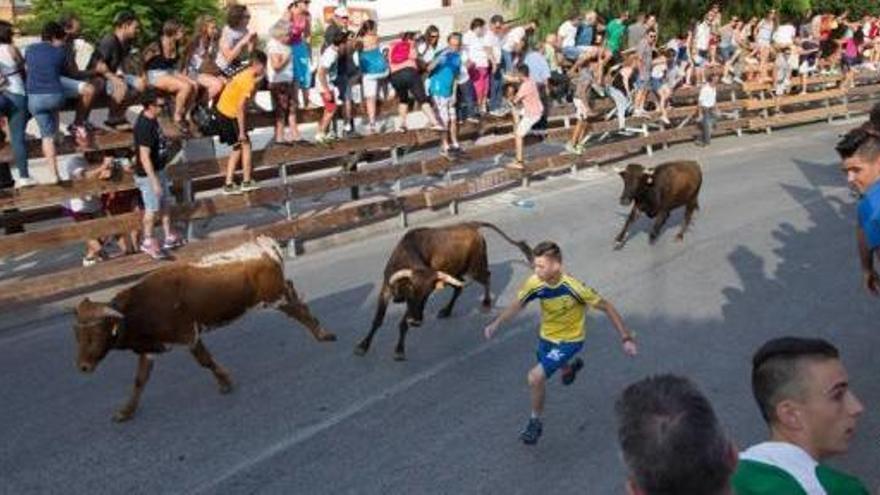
[[97, 15], [676, 15]]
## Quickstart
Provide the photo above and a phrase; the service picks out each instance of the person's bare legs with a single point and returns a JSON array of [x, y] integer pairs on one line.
[[537, 381]]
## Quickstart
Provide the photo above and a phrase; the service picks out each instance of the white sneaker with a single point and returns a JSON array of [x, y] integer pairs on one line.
[[25, 182]]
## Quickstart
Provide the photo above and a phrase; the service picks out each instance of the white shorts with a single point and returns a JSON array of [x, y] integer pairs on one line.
[[580, 109], [371, 87], [445, 108], [525, 125]]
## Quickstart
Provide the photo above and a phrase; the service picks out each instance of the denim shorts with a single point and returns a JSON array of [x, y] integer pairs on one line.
[[155, 75], [72, 88], [130, 85], [153, 203], [553, 356], [45, 108]]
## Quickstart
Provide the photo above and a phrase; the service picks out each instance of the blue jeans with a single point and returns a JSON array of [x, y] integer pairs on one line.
[[707, 123], [496, 89], [45, 108], [467, 101], [15, 108]]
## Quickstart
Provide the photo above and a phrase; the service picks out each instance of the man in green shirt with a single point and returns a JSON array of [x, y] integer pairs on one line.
[[614, 33], [803, 393]]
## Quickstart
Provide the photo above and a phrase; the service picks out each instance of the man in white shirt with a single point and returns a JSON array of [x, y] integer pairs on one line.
[[493, 40], [706, 108], [567, 34]]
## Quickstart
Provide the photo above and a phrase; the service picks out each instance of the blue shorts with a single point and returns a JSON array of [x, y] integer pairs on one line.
[[553, 356], [153, 203]]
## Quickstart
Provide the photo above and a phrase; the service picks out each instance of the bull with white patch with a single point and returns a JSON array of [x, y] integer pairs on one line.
[[427, 260], [176, 304]]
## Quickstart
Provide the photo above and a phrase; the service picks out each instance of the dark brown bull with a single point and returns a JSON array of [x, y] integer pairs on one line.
[[176, 304], [427, 259], [658, 191]]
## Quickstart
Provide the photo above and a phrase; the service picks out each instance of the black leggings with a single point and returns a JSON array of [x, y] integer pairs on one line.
[[408, 85]]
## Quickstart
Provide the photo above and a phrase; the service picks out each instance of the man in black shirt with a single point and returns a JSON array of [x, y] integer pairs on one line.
[[107, 62], [149, 176]]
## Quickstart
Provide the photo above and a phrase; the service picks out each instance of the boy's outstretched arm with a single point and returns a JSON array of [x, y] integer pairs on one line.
[[626, 337], [508, 313]]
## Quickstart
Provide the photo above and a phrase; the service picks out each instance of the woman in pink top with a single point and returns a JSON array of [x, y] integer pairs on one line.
[[532, 110], [301, 54]]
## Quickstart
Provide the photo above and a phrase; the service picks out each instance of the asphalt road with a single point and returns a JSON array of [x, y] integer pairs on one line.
[[772, 253]]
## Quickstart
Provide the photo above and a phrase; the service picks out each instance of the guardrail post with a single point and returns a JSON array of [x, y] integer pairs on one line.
[[765, 114], [447, 181], [649, 148], [189, 197], [828, 110], [288, 207], [845, 98]]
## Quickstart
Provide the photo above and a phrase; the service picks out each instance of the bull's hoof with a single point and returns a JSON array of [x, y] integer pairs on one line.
[[486, 307], [444, 313], [225, 386], [123, 415], [618, 245], [327, 337], [679, 238], [652, 239], [360, 350], [399, 356]]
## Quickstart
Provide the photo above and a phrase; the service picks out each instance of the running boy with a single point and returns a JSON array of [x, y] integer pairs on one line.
[[564, 300]]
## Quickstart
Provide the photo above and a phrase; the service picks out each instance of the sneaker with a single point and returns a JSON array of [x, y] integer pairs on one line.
[[446, 154], [532, 432], [348, 128], [249, 185], [570, 372], [323, 139], [599, 90], [571, 149], [727, 80], [151, 248], [25, 182], [665, 121], [172, 242], [473, 120], [581, 148], [90, 260], [232, 188]]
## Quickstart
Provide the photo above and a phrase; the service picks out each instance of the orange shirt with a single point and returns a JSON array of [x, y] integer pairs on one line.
[[239, 89]]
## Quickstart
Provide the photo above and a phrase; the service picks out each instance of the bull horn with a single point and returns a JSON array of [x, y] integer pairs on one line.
[[400, 274], [112, 313], [449, 279]]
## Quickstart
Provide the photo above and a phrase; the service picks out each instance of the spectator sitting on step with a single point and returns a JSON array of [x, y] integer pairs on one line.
[[200, 60], [75, 82], [108, 61], [77, 167], [161, 63]]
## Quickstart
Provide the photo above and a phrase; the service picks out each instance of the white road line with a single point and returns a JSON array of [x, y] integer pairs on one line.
[[356, 408]]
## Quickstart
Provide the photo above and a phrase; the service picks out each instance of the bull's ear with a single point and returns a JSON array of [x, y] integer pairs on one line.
[[439, 285], [649, 179]]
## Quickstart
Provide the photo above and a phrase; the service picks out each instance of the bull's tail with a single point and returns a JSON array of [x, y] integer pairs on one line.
[[522, 245]]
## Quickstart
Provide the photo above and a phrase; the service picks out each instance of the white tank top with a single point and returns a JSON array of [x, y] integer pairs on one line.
[[10, 69]]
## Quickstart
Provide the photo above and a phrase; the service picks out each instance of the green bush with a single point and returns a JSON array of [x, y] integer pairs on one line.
[[97, 15]]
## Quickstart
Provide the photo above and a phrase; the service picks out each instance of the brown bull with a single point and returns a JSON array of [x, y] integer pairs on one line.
[[427, 259], [658, 191], [176, 304]]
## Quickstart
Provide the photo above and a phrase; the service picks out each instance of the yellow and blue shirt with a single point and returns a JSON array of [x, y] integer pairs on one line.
[[563, 306]]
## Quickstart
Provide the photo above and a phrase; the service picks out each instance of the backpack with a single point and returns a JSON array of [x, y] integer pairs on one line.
[[399, 52]]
